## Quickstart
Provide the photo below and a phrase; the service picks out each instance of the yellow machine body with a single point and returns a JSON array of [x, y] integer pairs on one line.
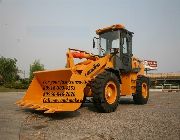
[[64, 89]]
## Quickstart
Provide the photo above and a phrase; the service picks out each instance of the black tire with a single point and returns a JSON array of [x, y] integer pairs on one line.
[[98, 89], [138, 97]]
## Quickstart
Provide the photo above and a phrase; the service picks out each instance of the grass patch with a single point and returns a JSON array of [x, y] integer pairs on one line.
[[4, 89]]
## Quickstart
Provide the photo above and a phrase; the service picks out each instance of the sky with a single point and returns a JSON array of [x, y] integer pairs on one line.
[[45, 29]]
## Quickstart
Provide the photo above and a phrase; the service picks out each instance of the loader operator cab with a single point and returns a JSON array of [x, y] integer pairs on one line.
[[117, 41]]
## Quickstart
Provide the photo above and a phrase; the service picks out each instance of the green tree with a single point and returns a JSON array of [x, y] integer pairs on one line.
[[8, 69], [35, 66]]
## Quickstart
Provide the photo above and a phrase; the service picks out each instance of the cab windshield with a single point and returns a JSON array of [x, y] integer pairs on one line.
[[107, 41]]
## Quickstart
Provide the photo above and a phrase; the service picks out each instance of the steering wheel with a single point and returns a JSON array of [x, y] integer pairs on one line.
[[114, 50]]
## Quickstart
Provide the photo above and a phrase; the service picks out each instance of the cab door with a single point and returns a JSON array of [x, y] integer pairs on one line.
[[125, 50]]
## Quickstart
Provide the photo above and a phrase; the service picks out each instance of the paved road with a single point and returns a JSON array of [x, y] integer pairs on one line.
[[159, 119]]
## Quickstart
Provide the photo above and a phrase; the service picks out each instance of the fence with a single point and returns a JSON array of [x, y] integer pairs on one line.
[[167, 88]]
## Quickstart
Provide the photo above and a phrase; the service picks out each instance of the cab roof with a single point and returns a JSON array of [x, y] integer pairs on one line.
[[110, 28]]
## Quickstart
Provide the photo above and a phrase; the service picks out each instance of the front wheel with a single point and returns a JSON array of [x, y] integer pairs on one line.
[[142, 90], [106, 88]]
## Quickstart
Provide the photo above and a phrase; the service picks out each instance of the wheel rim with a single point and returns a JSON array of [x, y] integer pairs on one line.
[[144, 90], [110, 92]]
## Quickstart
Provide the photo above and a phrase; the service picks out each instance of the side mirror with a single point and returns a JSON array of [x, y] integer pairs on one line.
[[94, 45]]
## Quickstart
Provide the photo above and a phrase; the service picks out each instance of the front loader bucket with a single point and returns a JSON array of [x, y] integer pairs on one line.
[[54, 91]]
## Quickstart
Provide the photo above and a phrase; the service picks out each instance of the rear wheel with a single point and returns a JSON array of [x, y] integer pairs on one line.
[[105, 88], [142, 90]]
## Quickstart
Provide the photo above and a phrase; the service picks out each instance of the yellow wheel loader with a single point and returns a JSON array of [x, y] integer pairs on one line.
[[114, 72]]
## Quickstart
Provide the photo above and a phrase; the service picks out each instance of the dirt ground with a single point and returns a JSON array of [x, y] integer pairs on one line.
[[159, 119]]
